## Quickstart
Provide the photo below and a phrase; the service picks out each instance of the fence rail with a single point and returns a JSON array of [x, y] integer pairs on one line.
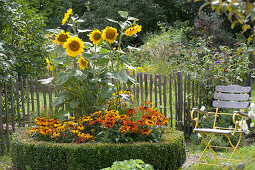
[[21, 100]]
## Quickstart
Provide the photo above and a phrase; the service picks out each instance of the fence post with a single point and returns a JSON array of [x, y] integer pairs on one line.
[[180, 99], [28, 102], [170, 99], [17, 100], [12, 105]]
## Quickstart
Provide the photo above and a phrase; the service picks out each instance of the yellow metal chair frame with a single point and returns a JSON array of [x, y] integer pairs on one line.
[[236, 97]]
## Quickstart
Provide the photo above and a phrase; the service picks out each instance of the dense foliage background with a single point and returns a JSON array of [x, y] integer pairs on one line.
[[21, 40]]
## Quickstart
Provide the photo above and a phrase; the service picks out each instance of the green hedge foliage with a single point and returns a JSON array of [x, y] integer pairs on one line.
[[25, 151]]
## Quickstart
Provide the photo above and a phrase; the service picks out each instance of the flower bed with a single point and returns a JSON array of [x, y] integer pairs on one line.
[[169, 153]]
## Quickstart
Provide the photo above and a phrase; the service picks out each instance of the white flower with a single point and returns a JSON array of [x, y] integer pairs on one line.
[[247, 132], [202, 108], [250, 114], [252, 125], [198, 135], [252, 106], [204, 116]]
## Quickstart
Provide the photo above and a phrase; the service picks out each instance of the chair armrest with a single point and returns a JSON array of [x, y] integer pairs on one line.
[[196, 119], [241, 113], [199, 111], [236, 122]]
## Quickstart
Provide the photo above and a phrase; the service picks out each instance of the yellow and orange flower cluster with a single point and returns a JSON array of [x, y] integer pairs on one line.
[[55, 130], [77, 129]]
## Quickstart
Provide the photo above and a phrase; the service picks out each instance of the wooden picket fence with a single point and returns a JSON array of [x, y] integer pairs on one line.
[[21, 100]]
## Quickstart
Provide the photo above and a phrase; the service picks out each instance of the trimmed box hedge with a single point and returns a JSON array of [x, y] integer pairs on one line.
[[169, 153]]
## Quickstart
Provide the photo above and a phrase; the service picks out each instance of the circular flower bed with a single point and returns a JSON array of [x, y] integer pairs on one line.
[[168, 153]]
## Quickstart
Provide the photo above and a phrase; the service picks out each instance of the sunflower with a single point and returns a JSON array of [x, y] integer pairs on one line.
[[82, 63], [49, 66], [133, 30], [95, 36], [67, 15], [74, 46], [110, 34], [61, 38]]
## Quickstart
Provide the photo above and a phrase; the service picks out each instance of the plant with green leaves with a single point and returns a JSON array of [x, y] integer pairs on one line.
[[84, 71], [130, 164]]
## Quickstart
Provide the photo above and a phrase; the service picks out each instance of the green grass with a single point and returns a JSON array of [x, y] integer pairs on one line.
[[195, 151]]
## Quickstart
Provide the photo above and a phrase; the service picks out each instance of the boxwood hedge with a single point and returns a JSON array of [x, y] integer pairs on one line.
[[169, 153]]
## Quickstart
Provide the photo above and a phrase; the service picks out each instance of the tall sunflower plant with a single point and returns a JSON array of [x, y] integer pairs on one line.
[[86, 74]]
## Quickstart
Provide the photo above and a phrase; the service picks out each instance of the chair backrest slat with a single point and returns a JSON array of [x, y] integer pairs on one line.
[[238, 97], [230, 104], [233, 89]]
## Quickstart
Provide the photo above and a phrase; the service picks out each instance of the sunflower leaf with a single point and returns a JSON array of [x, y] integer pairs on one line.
[[86, 30], [46, 81], [123, 14], [111, 20]]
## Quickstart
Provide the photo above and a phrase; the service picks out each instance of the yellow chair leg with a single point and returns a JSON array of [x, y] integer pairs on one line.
[[207, 146], [235, 148]]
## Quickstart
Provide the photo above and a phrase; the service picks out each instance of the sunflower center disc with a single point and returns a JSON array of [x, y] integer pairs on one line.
[[62, 38], [97, 36], [84, 63], [74, 46], [110, 34]]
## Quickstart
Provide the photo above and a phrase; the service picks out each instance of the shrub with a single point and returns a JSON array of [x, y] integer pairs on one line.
[[169, 153]]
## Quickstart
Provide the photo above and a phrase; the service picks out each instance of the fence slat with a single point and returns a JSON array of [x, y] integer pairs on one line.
[[32, 94], [188, 107], [141, 87], [170, 99], [156, 90], [1, 120], [160, 92], [37, 97], [12, 105], [145, 88], [7, 118], [23, 100], [134, 85], [180, 99], [185, 104], [44, 98], [50, 100], [151, 87], [28, 102], [137, 88], [17, 101], [164, 95], [176, 99]]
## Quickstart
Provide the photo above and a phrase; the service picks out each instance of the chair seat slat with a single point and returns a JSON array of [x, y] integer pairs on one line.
[[233, 89], [230, 104], [219, 131], [238, 97]]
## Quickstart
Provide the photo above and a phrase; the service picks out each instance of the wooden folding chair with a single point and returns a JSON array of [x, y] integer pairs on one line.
[[229, 97]]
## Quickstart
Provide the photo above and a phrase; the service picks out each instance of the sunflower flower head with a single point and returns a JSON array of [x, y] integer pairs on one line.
[[74, 46], [67, 16], [82, 63], [110, 34], [61, 38], [133, 30], [95, 36]]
